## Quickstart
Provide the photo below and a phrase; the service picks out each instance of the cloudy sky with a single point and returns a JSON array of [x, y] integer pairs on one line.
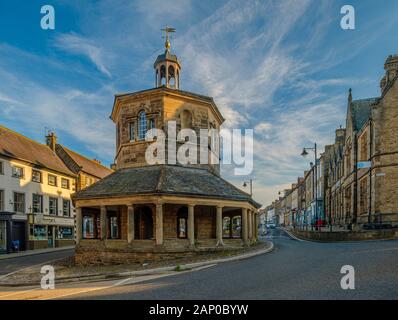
[[281, 67]]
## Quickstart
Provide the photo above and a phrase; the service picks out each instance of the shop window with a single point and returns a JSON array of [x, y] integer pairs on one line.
[[65, 233], [182, 223], [236, 227], [36, 176], [18, 172], [52, 180], [114, 226], [37, 204], [19, 202], [91, 226], [66, 208], [226, 227], [53, 206], [39, 232], [64, 183]]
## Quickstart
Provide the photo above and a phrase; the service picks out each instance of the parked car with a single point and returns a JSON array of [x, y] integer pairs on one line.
[[271, 225]]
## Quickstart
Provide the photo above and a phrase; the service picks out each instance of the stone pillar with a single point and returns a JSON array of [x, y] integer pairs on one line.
[[219, 226], [130, 223], [159, 224], [103, 223], [244, 225], [250, 224], [256, 217], [79, 223], [191, 224]]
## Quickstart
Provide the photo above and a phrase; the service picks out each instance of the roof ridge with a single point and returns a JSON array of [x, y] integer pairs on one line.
[[92, 160], [26, 138]]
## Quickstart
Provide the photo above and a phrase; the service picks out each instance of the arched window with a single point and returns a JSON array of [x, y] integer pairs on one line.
[[172, 77], [182, 223], [141, 125], [162, 75]]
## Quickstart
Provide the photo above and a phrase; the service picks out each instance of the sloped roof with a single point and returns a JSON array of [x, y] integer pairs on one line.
[[361, 111], [164, 180], [17, 146], [87, 165]]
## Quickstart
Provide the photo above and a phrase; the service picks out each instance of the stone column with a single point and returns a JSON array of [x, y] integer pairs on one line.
[[191, 224], [250, 224], [103, 223], [219, 226], [244, 225], [78, 222], [255, 225], [159, 224], [130, 223]]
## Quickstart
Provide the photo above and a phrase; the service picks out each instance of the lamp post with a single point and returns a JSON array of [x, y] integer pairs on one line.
[[304, 154], [251, 186]]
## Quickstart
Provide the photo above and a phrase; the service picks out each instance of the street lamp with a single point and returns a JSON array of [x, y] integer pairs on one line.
[[251, 186], [304, 154]]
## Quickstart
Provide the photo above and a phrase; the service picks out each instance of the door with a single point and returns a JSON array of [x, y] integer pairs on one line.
[[3, 236], [50, 234], [19, 234]]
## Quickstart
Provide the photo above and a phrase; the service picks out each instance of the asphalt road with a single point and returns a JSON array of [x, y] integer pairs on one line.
[[17, 263], [294, 270]]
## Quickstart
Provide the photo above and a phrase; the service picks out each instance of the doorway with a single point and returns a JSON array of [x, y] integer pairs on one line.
[[143, 223]]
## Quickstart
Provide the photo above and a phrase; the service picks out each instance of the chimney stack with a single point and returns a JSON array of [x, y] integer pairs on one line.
[[51, 140]]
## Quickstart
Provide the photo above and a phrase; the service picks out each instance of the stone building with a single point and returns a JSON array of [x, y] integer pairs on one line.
[[147, 210]]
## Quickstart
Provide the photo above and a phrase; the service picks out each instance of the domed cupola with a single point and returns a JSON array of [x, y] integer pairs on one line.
[[167, 66]]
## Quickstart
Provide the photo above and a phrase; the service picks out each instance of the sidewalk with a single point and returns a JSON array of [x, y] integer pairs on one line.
[[33, 252], [117, 273]]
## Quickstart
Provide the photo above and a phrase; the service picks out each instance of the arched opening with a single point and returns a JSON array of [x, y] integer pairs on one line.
[[172, 77], [186, 119], [182, 223], [143, 223], [232, 225], [141, 125], [162, 75]]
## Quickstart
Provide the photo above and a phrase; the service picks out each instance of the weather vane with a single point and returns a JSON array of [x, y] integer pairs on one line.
[[167, 31]]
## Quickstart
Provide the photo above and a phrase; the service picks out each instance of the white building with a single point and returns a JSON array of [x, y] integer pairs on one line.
[[35, 188]]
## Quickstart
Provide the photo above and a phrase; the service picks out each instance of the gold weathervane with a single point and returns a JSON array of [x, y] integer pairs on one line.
[[167, 30]]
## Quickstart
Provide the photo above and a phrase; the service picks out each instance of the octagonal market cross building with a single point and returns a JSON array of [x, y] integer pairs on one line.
[[143, 211]]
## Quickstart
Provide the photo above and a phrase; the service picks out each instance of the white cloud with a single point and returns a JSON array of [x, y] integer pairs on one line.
[[76, 44]]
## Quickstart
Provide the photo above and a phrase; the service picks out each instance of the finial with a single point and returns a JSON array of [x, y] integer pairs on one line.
[[167, 30], [350, 95]]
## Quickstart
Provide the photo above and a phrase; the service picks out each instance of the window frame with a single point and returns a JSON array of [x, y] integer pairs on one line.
[[52, 207], [48, 180], [41, 203], [40, 175], [67, 183], [19, 203], [17, 176], [142, 125], [63, 208]]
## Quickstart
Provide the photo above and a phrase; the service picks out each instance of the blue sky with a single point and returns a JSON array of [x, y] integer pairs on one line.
[[281, 67]]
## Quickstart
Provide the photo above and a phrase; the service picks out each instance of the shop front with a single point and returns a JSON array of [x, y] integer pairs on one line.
[[46, 231], [5, 232]]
